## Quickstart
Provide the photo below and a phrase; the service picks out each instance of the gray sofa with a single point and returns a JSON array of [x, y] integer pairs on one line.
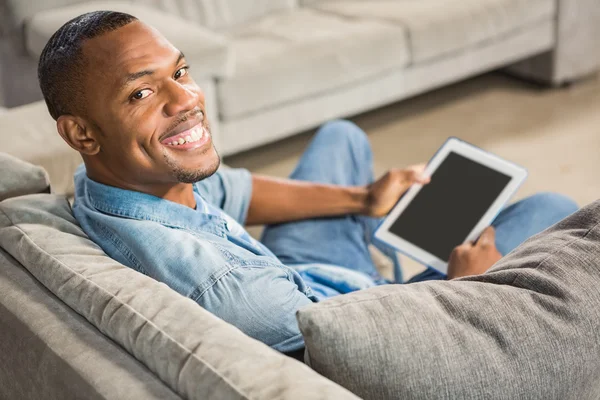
[[76, 324], [272, 68]]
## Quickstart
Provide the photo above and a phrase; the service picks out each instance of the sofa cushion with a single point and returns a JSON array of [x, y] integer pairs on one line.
[[439, 27], [289, 56], [209, 13], [205, 50], [51, 352], [29, 134], [20, 178], [526, 329], [196, 354], [219, 14]]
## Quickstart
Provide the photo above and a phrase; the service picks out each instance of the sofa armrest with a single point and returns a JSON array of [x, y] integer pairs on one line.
[[208, 52], [21, 178], [576, 52]]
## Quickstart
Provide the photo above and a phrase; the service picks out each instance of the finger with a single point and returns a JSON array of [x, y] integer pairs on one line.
[[419, 168], [417, 174], [467, 246], [423, 180], [488, 237]]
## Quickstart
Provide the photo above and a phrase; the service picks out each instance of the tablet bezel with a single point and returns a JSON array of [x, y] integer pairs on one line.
[[514, 171]]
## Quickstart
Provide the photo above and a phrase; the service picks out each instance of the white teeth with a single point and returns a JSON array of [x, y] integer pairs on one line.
[[194, 136]]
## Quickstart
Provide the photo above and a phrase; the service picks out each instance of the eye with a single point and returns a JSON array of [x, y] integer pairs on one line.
[[181, 72], [141, 94]]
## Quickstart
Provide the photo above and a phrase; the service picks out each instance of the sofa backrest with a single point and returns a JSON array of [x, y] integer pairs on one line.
[[303, 3], [220, 14], [216, 14], [197, 355], [50, 271], [20, 10], [41, 333]]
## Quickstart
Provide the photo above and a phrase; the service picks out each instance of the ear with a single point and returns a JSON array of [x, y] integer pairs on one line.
[[75, 131]]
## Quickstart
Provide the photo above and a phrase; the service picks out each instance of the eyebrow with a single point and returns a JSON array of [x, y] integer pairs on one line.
[[137, 75]]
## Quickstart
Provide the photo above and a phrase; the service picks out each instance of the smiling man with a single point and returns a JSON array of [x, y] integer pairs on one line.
[[152, 197]]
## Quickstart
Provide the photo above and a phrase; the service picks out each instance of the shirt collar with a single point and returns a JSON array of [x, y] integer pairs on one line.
[[141, 206]]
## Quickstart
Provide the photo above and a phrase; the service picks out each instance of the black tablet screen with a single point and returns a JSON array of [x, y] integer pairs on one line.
[[445, 211]]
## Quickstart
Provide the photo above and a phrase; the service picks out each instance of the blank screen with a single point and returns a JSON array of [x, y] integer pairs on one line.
[[445, 211]]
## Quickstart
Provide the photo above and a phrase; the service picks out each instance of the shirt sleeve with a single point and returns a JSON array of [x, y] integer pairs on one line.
[[229, 189], [262, 302]]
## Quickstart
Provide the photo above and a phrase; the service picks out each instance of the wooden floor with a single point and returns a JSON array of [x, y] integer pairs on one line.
[[554, 133]]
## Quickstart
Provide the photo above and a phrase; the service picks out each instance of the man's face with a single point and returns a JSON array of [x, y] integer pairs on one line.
[[147, 113]]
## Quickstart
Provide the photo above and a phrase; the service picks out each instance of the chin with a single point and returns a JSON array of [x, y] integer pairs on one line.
[[209, 165]]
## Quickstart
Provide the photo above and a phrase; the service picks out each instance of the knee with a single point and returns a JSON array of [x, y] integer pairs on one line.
[[342, 133], [554, 204]]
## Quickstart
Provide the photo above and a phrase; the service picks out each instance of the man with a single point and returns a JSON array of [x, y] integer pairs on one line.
[[151, 197]]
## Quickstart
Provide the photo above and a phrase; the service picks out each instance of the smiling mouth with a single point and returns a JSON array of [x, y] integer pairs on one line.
[[190, 139], [190, 136]]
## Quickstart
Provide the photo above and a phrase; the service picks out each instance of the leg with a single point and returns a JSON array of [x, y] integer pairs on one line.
[[529, 217], [339, 154], [519, 222]]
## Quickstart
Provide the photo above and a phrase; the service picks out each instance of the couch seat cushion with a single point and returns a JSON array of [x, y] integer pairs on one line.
[[205, 50], [289, 56], [195, 353], [527, 329], [29, 133], [438, 27]]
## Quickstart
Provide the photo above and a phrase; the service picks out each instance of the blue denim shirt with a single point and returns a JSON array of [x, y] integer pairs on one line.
[[191, 252]]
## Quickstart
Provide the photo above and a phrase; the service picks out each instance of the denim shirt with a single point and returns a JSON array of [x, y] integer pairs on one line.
[[192, 253]]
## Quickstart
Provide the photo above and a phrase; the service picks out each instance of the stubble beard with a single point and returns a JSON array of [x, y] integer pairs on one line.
[[183, 175]]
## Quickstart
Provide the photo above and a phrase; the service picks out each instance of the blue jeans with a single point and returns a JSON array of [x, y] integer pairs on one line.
[[340, 154]]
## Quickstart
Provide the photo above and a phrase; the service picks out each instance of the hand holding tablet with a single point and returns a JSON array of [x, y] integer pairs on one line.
[[468, 188]]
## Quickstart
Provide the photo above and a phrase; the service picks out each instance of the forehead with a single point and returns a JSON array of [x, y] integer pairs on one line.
[[129, 49]]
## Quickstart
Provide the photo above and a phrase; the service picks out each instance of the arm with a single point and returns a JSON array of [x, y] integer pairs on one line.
[[285, 200], [262, 302]]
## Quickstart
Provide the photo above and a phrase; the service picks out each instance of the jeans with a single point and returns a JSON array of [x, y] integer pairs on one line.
[[340, 154]]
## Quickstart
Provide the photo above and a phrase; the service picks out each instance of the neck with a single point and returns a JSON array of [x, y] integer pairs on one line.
[[181, 193]]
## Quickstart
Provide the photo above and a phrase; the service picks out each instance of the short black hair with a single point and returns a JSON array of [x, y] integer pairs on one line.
[[62, 62]]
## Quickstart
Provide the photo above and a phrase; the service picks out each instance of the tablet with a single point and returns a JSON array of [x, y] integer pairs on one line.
[[468, 188]]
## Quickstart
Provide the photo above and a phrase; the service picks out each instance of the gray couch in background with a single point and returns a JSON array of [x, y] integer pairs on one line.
[[272, 68]]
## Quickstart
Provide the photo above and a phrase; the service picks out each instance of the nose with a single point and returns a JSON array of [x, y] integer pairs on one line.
[[181, 99]]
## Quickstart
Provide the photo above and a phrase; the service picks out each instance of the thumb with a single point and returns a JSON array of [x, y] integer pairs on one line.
[[416, 174], [488, 237]]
